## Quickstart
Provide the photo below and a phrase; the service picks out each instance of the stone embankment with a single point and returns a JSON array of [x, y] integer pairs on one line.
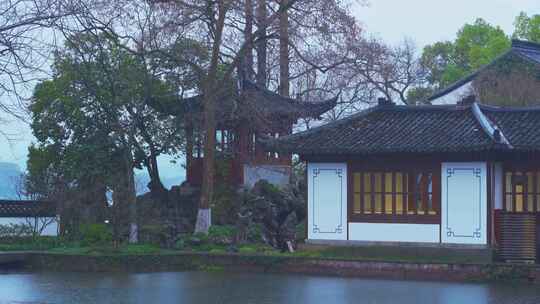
[[37, 261]]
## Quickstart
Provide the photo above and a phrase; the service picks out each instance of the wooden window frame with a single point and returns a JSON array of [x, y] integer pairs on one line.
[[409, 174], [513, 169]]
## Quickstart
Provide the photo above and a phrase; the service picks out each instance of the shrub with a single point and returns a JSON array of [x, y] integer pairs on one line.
[[180, 244], [31, 243], [16, 230], [255, 234], [301, 231], [198, 238], [153, 234], [95, 234], [223, 235]]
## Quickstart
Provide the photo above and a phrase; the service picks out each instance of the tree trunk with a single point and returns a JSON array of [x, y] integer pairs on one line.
[[248, 37], [131, 199], [155, 186], [124, 201], [284, 49], [204, 220], [261, 43]]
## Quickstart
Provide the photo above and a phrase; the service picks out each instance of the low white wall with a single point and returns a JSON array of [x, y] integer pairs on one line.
[[50, 230], [382, 232], [455, 96]]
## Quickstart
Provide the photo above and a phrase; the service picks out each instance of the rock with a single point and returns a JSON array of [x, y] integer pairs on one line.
[[274, 211]]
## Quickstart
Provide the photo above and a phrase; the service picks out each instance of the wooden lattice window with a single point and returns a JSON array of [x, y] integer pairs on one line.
[[522, 191], [392, 194]]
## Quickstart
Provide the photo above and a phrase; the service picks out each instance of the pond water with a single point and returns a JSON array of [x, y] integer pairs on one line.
[[204, 287]]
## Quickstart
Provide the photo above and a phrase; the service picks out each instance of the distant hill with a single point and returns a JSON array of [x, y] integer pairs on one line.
[[9, 176]]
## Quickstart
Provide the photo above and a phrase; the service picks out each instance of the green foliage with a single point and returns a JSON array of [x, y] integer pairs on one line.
[[435, 59], [301, 230], [527, 28], [479, 43], [218, 233], [180, 244], [12, 243], [476, 45], [100, 103], [95, 235], [255, 233], [153, 234]]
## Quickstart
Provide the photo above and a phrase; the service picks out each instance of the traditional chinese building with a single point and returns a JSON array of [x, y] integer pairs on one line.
[[465, 174], [522, 57], [243, 116]]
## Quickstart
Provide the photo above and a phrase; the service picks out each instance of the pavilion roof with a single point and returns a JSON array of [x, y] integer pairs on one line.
[[249, 102]]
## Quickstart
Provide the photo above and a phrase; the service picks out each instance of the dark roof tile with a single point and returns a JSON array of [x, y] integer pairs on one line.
[[251, 101], [414, 129], [18, 208]]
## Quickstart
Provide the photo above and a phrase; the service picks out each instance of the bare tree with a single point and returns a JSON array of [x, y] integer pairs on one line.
[[517, 87], [40, 218], [26, 37]]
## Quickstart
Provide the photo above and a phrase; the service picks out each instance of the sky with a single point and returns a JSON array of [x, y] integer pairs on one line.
[[423, 21]]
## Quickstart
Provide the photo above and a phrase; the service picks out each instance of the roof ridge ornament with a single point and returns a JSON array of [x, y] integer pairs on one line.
[[489, 127]]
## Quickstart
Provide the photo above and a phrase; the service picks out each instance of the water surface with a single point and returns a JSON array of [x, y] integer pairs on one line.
[[202, 287]]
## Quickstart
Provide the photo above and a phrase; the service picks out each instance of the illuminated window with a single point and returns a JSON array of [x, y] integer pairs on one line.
[[522, 191], [393, 193]]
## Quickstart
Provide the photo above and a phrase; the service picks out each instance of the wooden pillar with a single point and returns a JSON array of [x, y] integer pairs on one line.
[[242, 142], [241, 151]]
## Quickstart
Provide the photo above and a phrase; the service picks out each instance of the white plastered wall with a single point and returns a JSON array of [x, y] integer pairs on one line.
[[454, 96], [498, 185], [393, 232]]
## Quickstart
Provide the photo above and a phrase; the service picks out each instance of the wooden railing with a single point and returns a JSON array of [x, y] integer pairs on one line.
[[516, 236]]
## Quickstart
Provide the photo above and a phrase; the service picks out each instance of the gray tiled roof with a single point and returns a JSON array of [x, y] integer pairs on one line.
[[521, 126], [529, 50], [416, 129], [252, 100]]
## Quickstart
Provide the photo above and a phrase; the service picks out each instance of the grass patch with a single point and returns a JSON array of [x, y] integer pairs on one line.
[[392, 254], [204, 245], [41, 243]]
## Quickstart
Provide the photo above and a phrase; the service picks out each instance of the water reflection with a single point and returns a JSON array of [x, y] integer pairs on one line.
[[200, 287]]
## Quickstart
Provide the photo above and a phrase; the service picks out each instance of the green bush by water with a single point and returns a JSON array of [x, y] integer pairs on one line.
[[95, 235]]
